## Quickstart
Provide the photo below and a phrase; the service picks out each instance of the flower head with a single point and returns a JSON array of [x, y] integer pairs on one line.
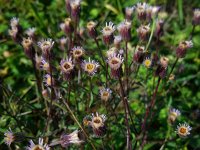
[[49, 81], [115, 61], [90, 66], [129, 12], [27, 44], [117, 41], [46, 46], [183, 130], [13, 33], [141, 10], [39, 146], [111, 51], [30, 32], [173, 114], [143, 32], [124, 29], [147, 62], [44, 65], [98, 124], [182, 48], [72, 138], [91, 27], [78, 52], [14, 22], [151, 11], [164, 62], [75, 9], [67, 26], [9, 137], [67, 67], [196, 17], [105, 94], [107, 32]]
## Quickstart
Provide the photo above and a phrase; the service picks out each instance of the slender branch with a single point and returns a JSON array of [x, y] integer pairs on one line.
[[173, 67]]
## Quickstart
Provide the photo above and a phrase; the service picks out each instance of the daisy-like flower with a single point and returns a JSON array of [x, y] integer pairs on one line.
[[9, 137], [63, 42], [173, 114], [124, 29], [44, 65], [117, 41], [159, 28], [141, 10], [151, 11], [75, 9], [14, 22], [46, 46], [72, 138], [13, 33], [98, 124], [67, 67], [47, 80], [129, 13], [139, 54], [78, 52], [91, 28], [31, 32], [196, 17], [111, 51], [67, 26], [107, 32], [105, 94], [147, 62], [40, 146], [27, 44], [90, 66], [115, 62], [143, 32], [182, 48], [164, 62], [183, 130]]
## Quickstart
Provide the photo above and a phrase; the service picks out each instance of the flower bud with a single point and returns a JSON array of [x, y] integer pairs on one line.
[[91, 28], [117, 41], [196, 17], [75, 9], [159, 28], [139, 54], [67, 26], [124, 29], [182, 48], [107, 32], [27, 44], [143, 32], [129, 13], [141, 11]]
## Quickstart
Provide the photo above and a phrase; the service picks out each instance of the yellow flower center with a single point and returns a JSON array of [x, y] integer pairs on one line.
[[147, 63], [183, 130], [38, 147], [89, 67], [48, 81], [105, 94], [114, 61]]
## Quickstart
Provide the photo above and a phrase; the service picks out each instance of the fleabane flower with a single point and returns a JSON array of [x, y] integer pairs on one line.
[[67, 67], [98, 124], [78, 52], [147, 62], [46, 46], [91, 28], [161, 70], [90, 66], [196, 17], [182, 48], [72, 138], [107, 32], [183, 130], [44, 65], [111, 51], [129, 13], [141, 10], [27, 44], [117, 41], [9, 137], [75, 9], [115, 62], [143, 32], [105, 94], [40, 146], [151, 11], [31, 32], [14, 22], [49, 81], [124, 29], [67, 26], [173, 114]]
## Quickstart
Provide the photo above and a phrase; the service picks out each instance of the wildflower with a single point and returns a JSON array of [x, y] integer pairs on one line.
[[196, 17], [117, 41], [14, 34], [14, 22], [171, 77], [164, 62], [63, 42], [147, 62], [67, 67], [139, 54], [78, 52], [67, 26], [141, 11], [124, 29], [31, 32], [151, 11], [9, 137], [183, 130], [46, 46], [91, 28], [105, 94], [182, 48], [107, 32], [98, 124], [75, 9], [173, 114], [39, 146], [129, 13], [49, 81], [45, 65], [90, 66], [143, 32], [27, 44], [159, 28], [37, 61], [111, 51], [72, 138], [86, 121], [68, 7], [115, 61]]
